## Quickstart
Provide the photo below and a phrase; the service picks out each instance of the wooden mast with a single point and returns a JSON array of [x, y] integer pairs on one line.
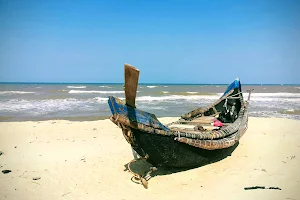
[[131, 82]]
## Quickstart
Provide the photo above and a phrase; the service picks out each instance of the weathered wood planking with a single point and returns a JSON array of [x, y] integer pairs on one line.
[[131, 83]]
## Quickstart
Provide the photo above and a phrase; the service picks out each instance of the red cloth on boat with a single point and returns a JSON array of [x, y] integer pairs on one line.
[[218, 123]]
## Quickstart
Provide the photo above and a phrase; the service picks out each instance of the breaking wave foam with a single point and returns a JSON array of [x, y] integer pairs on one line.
[[274, 97], [286, 94], [76, 87], [94, 92], [15, 92], [104, 86], [46, 106], [177, 97]]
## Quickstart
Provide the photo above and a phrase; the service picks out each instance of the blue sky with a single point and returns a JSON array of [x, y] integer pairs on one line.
[[169, 41]]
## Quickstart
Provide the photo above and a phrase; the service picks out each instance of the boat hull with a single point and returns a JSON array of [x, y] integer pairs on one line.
[[165, 151]]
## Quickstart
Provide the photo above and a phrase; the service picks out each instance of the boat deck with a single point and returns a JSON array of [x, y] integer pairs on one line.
[[200, 124]]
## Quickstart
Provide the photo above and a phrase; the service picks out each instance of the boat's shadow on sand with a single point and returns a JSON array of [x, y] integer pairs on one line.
[[141, 166]]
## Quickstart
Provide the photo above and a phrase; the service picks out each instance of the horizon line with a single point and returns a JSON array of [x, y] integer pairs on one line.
[[22, 82]]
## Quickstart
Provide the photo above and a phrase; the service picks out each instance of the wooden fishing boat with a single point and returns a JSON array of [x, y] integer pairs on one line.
[[190, 141]]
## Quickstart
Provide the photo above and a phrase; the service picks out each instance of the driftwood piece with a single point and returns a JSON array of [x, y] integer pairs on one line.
[[131, 83], [6, 171], [262, 187]]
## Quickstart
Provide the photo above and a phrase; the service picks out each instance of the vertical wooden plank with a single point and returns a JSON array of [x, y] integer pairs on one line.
[[250, 91], [131, 82]]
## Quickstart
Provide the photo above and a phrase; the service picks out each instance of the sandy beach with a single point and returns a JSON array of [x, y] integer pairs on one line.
[[86, 160]]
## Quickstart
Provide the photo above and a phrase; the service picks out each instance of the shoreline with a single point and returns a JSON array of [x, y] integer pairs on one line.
[[59, 159], [99, 118], [75, 119]]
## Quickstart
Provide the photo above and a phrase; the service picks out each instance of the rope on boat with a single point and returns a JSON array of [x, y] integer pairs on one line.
[[234, 96], [225, 104], [127, 133], [213, 134], [178, 133]]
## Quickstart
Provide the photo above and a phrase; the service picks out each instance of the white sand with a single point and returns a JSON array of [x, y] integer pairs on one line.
[[85, 160]]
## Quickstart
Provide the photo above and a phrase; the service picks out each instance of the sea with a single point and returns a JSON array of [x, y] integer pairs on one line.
[[87, 101]]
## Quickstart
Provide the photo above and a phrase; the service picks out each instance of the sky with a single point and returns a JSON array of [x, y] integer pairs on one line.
[[168, 41]]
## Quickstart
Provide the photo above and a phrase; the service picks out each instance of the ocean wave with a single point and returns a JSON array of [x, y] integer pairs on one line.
[[261, 98], [165, 92], [165, 98], [195, 94], [16, 92], [176, 97], [291, 112], [94, 92], [76, 87], [263, 107], [151, 86], [279, 94], [37, 106], [145, 107], [104, 86], [101, 99], [268, 114], [274, 99], [104, 99], [46, 106]]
